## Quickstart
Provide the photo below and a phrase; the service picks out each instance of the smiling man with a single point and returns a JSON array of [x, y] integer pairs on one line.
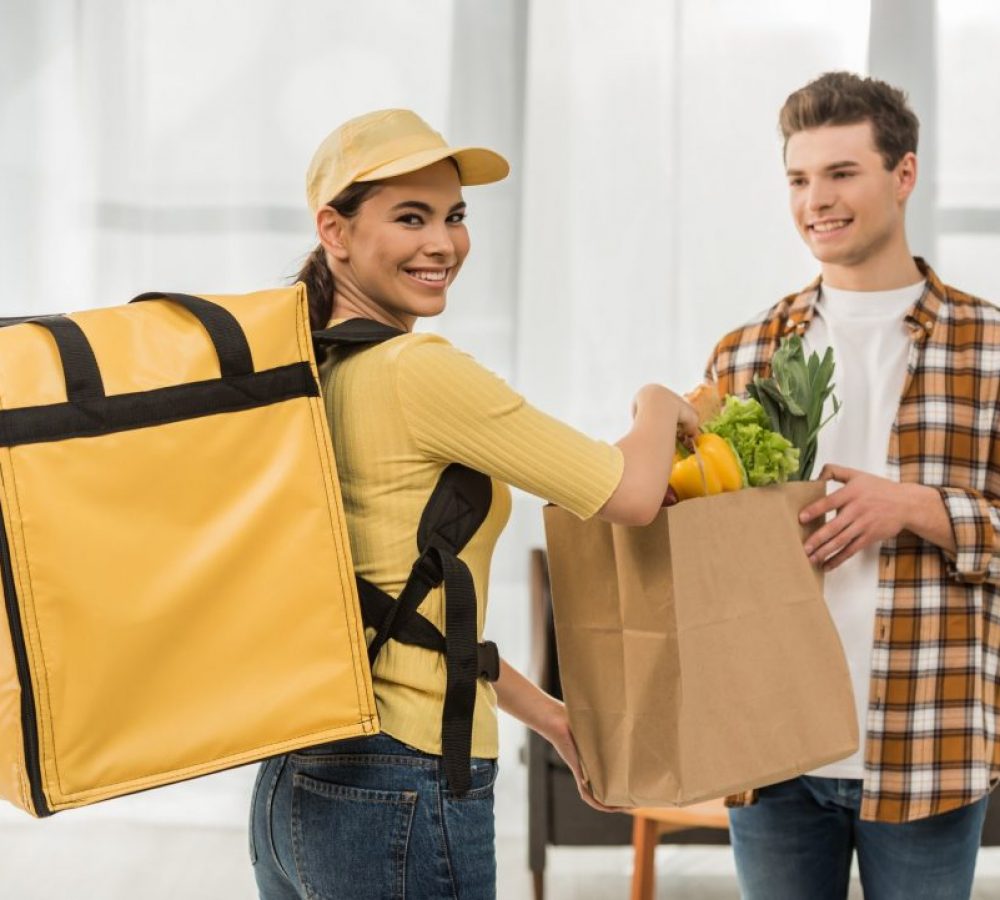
[[911, 540]]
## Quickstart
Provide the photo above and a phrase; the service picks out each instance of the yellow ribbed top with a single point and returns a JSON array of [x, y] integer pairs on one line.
[[400, 412]]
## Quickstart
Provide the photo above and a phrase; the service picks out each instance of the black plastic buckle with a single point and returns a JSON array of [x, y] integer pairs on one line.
[[488, 660]]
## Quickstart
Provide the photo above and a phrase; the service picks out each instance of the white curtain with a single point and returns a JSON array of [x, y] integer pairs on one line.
[[968, 177], [164, 145], [654, 210], [654, 198]]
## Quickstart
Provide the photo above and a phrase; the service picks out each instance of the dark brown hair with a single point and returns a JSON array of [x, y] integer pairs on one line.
[[315, 273], [843, 98]]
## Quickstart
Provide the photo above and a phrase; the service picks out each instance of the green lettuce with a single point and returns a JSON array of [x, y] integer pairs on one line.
[[767, 457]]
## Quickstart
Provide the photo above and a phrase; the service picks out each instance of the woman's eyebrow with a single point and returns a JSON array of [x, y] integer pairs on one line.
[[425, 207], [413, 204]]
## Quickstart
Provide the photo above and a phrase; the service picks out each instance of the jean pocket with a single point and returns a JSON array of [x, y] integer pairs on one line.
[[482, 778], [349, 842], [469, 823]]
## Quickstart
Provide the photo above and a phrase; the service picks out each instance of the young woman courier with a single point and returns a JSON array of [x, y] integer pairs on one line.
[[380, 817]]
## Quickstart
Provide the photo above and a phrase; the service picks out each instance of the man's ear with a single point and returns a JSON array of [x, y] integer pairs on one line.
[[333, 232], [906, 176]]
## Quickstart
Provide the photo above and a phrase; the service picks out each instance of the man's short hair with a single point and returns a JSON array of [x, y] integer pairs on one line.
[[843, 98]]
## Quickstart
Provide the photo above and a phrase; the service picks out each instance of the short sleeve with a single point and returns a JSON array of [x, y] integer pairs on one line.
[[458, 411]]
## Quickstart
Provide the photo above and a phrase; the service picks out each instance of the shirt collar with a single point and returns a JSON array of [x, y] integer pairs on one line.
[[920, 317]]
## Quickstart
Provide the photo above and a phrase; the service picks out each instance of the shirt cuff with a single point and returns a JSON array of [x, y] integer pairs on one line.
[[975, 523]]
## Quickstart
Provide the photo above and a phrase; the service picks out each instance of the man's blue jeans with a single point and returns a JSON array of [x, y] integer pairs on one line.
[[371, 818], [796, 843]]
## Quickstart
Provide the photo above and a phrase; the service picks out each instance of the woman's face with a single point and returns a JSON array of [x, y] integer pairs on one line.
[[403, 248]]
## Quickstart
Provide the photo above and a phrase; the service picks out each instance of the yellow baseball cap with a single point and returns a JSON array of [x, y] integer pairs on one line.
[[386, 143]]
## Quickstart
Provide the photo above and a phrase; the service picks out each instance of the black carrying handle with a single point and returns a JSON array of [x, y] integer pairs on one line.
[[222, 326], [80, 370]]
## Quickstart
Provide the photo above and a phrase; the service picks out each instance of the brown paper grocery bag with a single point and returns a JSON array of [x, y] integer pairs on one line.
[[697, 655]]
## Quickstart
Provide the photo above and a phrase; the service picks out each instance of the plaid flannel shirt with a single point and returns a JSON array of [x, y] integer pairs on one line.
[[934, 697]]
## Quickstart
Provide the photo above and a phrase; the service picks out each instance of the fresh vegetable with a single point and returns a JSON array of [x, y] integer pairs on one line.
[[767, 457], [706, 400], [794, 397], [713, 468]]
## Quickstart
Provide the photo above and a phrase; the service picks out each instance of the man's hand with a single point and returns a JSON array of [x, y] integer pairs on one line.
[[868, 510]]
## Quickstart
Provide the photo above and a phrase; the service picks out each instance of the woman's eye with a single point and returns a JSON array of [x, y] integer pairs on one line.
[[456, 218], [410, 219]]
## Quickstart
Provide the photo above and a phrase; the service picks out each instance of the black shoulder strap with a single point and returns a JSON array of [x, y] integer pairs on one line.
[[352, 333], [456, 509], [459, 505]]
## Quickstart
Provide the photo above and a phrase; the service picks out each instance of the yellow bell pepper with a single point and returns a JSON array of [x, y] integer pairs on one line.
[[719, 463]]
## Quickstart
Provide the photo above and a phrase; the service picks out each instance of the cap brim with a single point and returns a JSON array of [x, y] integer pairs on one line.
[[476, 165]]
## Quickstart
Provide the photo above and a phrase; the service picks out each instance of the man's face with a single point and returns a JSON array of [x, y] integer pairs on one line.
[[847, 206]]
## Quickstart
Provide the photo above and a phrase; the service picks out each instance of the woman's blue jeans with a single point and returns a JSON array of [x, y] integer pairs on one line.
[[371, 818], [797, 842]]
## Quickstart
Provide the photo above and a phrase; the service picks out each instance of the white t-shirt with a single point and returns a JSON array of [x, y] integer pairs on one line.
[[871, 347]]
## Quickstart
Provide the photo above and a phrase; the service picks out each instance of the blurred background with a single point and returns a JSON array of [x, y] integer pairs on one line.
[[162, 146]]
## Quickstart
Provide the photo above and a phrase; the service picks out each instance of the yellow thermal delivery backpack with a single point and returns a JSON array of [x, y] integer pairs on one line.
[[177, 575]]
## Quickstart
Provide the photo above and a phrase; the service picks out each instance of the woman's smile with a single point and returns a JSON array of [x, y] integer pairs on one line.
[[434, 279]]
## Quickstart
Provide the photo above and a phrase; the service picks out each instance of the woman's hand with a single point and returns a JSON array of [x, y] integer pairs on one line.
[[687, 415], [661, 418], [688, 427], [557, 733], [547, 716]]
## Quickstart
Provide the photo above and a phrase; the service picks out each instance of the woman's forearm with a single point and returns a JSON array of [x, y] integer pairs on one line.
[[525, 701]]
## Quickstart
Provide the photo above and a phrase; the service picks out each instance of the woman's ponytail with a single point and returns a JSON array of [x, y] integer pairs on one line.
[[315, 273]]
